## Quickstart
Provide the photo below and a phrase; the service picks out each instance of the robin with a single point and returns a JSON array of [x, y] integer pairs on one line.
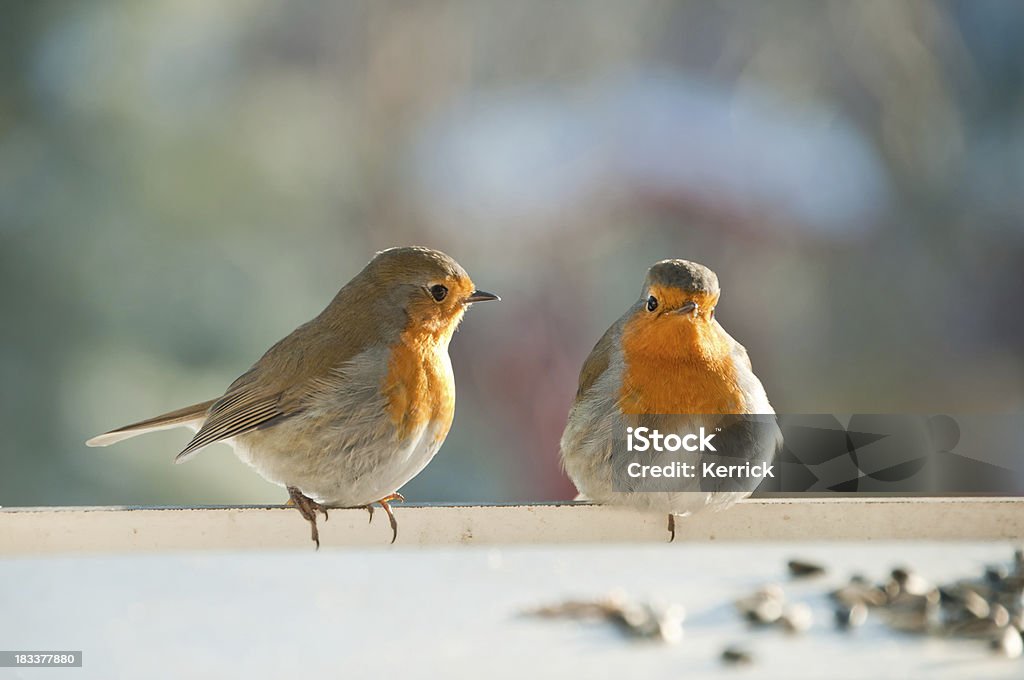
[[667, 365], [353, 404]]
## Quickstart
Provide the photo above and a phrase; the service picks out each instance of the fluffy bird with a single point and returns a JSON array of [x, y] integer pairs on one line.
[[353, 404], [666, 364]]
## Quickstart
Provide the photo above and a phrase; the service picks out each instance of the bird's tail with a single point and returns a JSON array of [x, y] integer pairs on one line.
[[190, 416]]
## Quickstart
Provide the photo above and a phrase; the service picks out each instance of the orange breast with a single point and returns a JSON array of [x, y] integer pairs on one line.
[[419, 388], [677, 366]]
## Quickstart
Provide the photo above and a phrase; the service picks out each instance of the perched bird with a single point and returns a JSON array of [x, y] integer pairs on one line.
[[667, 364], [353, 404]]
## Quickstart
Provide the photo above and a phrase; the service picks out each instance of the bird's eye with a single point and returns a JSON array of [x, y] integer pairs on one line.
[[438, 292], [652, 303]]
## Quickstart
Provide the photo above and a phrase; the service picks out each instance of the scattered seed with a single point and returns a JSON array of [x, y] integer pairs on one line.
[[772, 591], [1013, 583], [999, 615], [797, 618], [737, 655], [906, 581], [853, 616], [804, 569], [1008, 643], [973, 628], [995, 573], [988, 606], [764, 607], [764, 612], [975, 605], [914, 613], [860, 593], [636, 619]]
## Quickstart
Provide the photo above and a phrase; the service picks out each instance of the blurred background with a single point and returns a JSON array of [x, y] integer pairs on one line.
[[184, 182]]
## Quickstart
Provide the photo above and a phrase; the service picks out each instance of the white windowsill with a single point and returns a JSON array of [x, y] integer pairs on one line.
[[25, 531]]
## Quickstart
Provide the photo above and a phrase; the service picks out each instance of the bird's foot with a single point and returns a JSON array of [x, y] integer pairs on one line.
[[671, 528], [384, 503], [308, 508]]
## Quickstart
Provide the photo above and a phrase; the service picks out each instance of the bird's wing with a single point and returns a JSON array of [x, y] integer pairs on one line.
[[306, 363], [598, 360], [237, 412], [741, 356]]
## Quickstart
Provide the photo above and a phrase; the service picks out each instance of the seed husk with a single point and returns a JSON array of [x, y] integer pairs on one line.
[[999, 615], [915, 613], [972, 628], [860, 593], [804, 569], [763, 607], [975, 605], [737, 655], [763, 612], [853, 616], [904, 580], [637, 619], [995, 573]]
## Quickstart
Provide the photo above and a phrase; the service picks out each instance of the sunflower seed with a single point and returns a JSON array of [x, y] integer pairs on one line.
[[860, 593], [906, 581], [797, 618], [975, 605], [1008, 643], [737, 655], [972, 628], [999, 615], [804, 569], [853, 616]]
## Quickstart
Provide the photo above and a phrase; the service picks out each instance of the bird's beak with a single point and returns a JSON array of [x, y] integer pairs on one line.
[[481, 296], [688, 308]]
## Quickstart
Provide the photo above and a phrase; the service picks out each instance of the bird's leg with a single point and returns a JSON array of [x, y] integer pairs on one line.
[[387, 508], [308, 508], [671, 528], [393, 497]]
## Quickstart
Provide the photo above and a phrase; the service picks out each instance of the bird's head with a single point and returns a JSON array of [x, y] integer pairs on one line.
[[676, 309], [431, 288]]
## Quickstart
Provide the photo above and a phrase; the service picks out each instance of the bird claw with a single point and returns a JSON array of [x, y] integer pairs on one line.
[[384, 503], [391, 519], [672, 528], [308, 508]]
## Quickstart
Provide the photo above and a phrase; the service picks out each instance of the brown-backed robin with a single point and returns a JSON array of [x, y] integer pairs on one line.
[[353, 404], [666, 364]]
